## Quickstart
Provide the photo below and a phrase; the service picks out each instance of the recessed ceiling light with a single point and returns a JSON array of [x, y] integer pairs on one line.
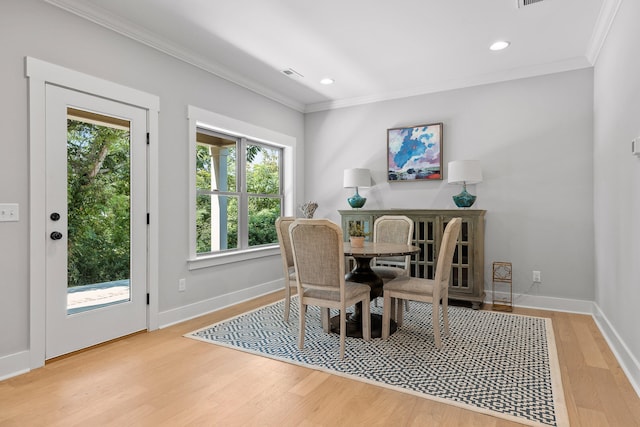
[[499, 45], [327, 81]]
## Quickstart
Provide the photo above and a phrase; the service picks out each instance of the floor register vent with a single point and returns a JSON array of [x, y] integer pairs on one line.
[[523, 3]]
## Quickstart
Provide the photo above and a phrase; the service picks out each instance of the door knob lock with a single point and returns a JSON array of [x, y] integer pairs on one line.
[[54, 216]]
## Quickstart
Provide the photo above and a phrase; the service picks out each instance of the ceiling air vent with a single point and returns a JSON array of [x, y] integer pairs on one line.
[[292, 73], [523, 3]]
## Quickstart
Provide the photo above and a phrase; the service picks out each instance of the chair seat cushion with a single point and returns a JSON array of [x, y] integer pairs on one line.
[[414, 285], [388, 273], [352, 289]]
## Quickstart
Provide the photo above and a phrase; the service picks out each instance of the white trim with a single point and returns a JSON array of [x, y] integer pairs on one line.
[[199, 117], [232, 256], [135, 32], [14, 364], [200, 308], [153, 250], [570, 64], [607, 15], [40, 73], [545, 303], [630, 365]]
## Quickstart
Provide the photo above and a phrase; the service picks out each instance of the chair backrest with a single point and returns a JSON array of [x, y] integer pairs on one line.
[[318, 254], [446, 251], [282, 230], [393, 229]]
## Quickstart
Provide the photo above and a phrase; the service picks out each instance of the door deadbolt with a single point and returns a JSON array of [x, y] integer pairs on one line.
[[56, 235], [54, 216]]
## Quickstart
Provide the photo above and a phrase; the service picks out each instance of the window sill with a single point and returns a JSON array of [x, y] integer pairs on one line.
[[213, 260]]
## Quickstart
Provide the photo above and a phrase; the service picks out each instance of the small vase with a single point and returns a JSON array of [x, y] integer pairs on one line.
[[357, 241]]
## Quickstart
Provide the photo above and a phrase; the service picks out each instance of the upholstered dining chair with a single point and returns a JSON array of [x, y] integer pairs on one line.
[[434, 290], [392, 229], [290, 281], [318, 254]]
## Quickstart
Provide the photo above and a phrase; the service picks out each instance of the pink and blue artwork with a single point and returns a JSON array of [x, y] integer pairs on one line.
[[415, 153]]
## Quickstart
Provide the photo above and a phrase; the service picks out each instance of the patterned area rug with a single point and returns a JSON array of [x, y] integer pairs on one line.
[[500, 364]]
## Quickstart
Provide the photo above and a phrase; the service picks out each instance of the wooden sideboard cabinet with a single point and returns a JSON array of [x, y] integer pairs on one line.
[[467, 271]]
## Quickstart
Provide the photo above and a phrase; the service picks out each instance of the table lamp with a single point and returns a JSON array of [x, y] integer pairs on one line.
[[464, 172], [356, 178]]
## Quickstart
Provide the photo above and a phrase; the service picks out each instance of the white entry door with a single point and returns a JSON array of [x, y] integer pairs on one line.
[[96, 205]]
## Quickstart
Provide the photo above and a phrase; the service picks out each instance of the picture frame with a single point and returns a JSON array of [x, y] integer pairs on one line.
[[414, 153]]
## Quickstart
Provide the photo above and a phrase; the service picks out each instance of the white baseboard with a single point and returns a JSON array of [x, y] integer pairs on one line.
[[627, 361], [545, 303], [180, 314], [14, 364]]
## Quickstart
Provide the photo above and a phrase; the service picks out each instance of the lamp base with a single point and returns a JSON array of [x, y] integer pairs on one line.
[[464, 199], [356, 201]]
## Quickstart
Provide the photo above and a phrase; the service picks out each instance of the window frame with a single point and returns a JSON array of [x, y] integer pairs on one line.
[[247, 133]]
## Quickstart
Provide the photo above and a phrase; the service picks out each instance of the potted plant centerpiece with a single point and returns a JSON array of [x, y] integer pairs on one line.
[[357, 234]]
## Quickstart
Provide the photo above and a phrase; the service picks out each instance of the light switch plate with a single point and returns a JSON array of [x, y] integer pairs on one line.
[[9, 212]]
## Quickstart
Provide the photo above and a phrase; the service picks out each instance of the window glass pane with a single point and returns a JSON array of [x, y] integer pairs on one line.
[[263, 212], [215, 163], [263, 169], [216, 223], [98, 195]]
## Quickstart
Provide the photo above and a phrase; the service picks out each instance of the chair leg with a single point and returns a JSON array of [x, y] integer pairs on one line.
[[406, 305], [393, 307], [435, 320], [366, 319], [399, 314], [287, 301], [303, 310], [445, 313], [386, 315], [343, 330], [325, 315]]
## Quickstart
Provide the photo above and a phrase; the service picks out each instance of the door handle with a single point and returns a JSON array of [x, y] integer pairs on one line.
[[54, 216], [56, 235]]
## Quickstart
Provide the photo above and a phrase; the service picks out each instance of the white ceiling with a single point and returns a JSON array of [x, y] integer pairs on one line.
[[374, 49]]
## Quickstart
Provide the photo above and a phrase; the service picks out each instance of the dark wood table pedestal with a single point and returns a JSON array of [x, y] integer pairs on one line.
[[362, 273]]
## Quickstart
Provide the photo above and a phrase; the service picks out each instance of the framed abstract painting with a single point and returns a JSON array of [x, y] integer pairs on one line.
[[414, 153]]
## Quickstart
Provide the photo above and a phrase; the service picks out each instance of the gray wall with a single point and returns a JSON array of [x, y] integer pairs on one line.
[[617, 184], [34, 28], [534, 140]]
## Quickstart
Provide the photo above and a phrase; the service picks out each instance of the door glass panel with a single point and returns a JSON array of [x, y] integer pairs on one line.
[[98, 191]]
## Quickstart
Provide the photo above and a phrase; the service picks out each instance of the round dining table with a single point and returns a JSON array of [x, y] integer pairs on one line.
[[362, 273]]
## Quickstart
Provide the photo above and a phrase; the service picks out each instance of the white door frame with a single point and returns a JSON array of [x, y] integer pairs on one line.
[[40, 74]]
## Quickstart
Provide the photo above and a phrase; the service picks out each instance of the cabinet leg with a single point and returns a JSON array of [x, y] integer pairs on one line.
[[475, 305]]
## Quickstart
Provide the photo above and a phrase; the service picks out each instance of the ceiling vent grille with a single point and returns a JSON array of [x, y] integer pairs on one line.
[[523, 3], [292, 73]]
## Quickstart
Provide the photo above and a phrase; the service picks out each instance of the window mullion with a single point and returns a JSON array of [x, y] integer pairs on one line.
[[243, 202]]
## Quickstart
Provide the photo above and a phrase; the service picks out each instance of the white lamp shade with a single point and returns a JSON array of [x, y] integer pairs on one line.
[[357, 178], [467, 171]]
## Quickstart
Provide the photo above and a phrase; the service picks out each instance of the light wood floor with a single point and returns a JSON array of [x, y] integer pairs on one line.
[[163, 379]]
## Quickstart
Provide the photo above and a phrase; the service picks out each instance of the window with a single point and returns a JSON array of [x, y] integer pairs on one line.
[[241, 180], [238, 188]]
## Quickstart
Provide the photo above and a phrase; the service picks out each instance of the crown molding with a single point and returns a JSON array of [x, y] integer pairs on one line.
[[571, 64], [607, 14], [126, 28]]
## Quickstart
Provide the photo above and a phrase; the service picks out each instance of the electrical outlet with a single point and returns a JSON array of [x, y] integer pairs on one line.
[[9, 212], [536, 276], [182, 285]]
